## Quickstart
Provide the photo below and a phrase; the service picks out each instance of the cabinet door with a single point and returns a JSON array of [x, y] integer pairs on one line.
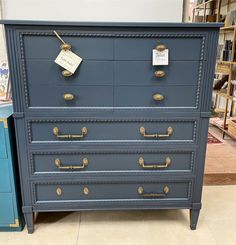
[[6, 209], [3, 152], [5, 185]]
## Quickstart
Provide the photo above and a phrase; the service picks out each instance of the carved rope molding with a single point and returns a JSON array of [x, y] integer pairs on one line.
[[95, 120], [118, 35], [106, 152]]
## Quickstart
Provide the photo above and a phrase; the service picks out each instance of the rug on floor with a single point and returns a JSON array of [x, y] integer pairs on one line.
[[213, 140]]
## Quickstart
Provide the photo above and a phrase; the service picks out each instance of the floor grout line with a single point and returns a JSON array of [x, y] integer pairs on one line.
[[77, 240]]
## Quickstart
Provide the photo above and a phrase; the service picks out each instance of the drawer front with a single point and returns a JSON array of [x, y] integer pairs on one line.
[[156, 96], [55, 131], [66, 192], [6, 209], [89, 162], [141, 48], [5, 179], [144, 73], [124, 72], [90, 72], [78, 96], [3, 150], [46, 45]]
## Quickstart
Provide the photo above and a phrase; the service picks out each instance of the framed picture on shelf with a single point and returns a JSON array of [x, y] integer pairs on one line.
[[5, 89]]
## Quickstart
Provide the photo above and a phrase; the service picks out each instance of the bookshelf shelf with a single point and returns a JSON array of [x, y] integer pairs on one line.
[[210, 11]]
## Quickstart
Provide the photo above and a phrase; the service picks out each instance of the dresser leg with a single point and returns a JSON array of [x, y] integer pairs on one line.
[[29, 218], [194, 213]]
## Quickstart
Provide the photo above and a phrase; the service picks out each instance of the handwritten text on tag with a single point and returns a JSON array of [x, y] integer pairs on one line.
[[68, 60]]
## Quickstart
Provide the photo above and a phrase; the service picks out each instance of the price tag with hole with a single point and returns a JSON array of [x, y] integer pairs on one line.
[[160, 57]]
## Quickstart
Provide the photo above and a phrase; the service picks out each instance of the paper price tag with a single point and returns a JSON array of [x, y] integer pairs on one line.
[[160, 57], [68, 60]]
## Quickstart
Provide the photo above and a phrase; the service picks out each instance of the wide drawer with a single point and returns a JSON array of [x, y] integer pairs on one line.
[[70, 96], [159, 96], [46, 162], [112, 130], [124, 73], [73, 192], [110, 45]]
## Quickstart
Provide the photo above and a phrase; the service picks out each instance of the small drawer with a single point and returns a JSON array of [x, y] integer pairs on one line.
[[145, 74], [141, 48], [68, 162], [45, 45], [72, 192], [47, 96], [156, 96], [63, 130], [89, 72]]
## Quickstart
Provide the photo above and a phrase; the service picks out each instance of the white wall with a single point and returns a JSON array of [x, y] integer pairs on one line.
[[94, 10]]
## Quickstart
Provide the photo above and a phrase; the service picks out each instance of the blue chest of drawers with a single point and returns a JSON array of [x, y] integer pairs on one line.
[[10, 202], [119, 133]]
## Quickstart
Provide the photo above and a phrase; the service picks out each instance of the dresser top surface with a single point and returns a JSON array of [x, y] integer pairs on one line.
[[113, 24], [6, 111]]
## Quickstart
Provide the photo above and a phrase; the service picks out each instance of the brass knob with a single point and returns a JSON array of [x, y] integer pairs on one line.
[[66, 46], [59, 191], [68, 97], [159, 73], [86, 190], [166, 189], [140, 190], [67, 73], [160, 47], [158, 97]]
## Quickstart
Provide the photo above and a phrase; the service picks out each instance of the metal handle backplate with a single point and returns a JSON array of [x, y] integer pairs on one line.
[[142, 193], [166, 164], [56, 132], [169, 132], [59, 165]]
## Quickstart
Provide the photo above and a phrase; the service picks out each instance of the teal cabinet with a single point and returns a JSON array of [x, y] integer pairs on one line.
[[10, 202]]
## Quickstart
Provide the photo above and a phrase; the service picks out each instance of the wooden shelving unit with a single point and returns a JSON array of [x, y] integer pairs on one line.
[[214, 7], [209, 5]]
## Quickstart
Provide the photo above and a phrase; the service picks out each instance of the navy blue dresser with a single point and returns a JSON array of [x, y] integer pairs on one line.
[[119, 133], [11, 218]]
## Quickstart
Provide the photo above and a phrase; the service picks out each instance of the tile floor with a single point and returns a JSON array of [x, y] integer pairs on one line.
[[216, 226]]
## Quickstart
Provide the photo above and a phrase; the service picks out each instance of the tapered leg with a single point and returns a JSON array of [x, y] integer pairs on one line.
[[194, 213], [29, 218]]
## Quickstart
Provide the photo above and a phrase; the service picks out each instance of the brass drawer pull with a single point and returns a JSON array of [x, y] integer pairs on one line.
[[86, 190], [65, 46], [158, 97], [68, 97], [159, 73], [56, 131], [59, 191], [66, 73], [169, 132], [161, 47], [150, 166], [142, 193], [85, 163]]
